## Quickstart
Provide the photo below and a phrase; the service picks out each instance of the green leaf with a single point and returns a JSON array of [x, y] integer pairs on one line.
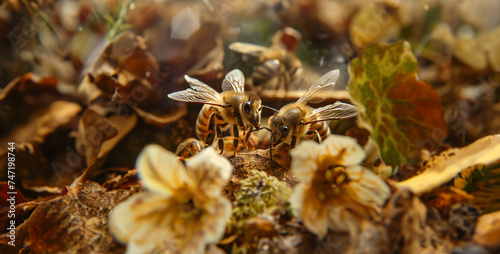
[[403, 114]]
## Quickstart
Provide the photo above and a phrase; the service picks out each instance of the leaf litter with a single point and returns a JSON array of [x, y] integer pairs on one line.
[[84, 89]]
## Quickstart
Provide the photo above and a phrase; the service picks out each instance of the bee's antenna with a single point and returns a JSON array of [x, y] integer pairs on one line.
[[273, 109], [265, 128]]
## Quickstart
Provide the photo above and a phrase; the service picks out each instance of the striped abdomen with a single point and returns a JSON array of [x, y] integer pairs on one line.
[[208, 118], [265, 72], [321, 128]]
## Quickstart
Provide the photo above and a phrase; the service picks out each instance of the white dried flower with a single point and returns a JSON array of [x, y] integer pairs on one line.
[[334, 192], [184, 208]]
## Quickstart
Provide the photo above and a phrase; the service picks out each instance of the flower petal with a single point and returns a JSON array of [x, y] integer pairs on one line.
[[353, 153], [161, 170], [215, 221], [341, 219], [305, 159], [209, 171], [313, 212], [134, 220], [368, 188]]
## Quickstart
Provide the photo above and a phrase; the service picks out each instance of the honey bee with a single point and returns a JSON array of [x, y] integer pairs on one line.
[[188, 148], [279, 60], [297, 121], [233, 109]]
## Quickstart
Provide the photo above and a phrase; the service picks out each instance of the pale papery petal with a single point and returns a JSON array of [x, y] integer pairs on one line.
[[297, 198], [149, 221], [160, 170], [369, 188], [209, 171], [139, 249], [215, 224], [341, 219], [353, 154], [312, 211], [134, 219], [304, 160]]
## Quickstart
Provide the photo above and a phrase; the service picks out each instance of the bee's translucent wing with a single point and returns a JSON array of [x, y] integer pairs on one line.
[[198, 93], [336, 111], [247, 48], [326, 82], [234, 81]]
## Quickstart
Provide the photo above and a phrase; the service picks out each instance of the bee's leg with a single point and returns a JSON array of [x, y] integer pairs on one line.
[[271, 147], [236, 135], [317, 137], [247, 137], [198, 147], [220, 141], [294, 142]]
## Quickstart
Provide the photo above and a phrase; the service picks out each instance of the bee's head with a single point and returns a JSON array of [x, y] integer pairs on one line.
[[279, 130], [251, 110]]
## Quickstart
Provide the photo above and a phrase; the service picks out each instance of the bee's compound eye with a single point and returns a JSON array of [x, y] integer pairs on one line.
[[247, 107], [284, 131]]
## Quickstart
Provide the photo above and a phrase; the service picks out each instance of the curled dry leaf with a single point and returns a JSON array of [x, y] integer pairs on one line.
[[449, 164], [83, 215], [404, 218], [120, 126], [22, 96], [129, 181], [31, 136], [126, 78], [93, 130], [29, 83]]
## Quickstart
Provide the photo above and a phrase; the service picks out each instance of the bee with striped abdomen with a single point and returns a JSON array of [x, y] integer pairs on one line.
[[233, 109], [297, 121], [278, 61]]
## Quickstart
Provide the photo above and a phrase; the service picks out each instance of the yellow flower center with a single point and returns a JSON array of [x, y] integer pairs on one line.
[[330, 176], [190, 204]]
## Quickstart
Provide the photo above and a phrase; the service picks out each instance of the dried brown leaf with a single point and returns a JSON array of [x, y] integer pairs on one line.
[[128, 181], [161, 120], [93, 131], [29, 138], [29, 83], [75, 223], [123, 126], [405, 219]]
